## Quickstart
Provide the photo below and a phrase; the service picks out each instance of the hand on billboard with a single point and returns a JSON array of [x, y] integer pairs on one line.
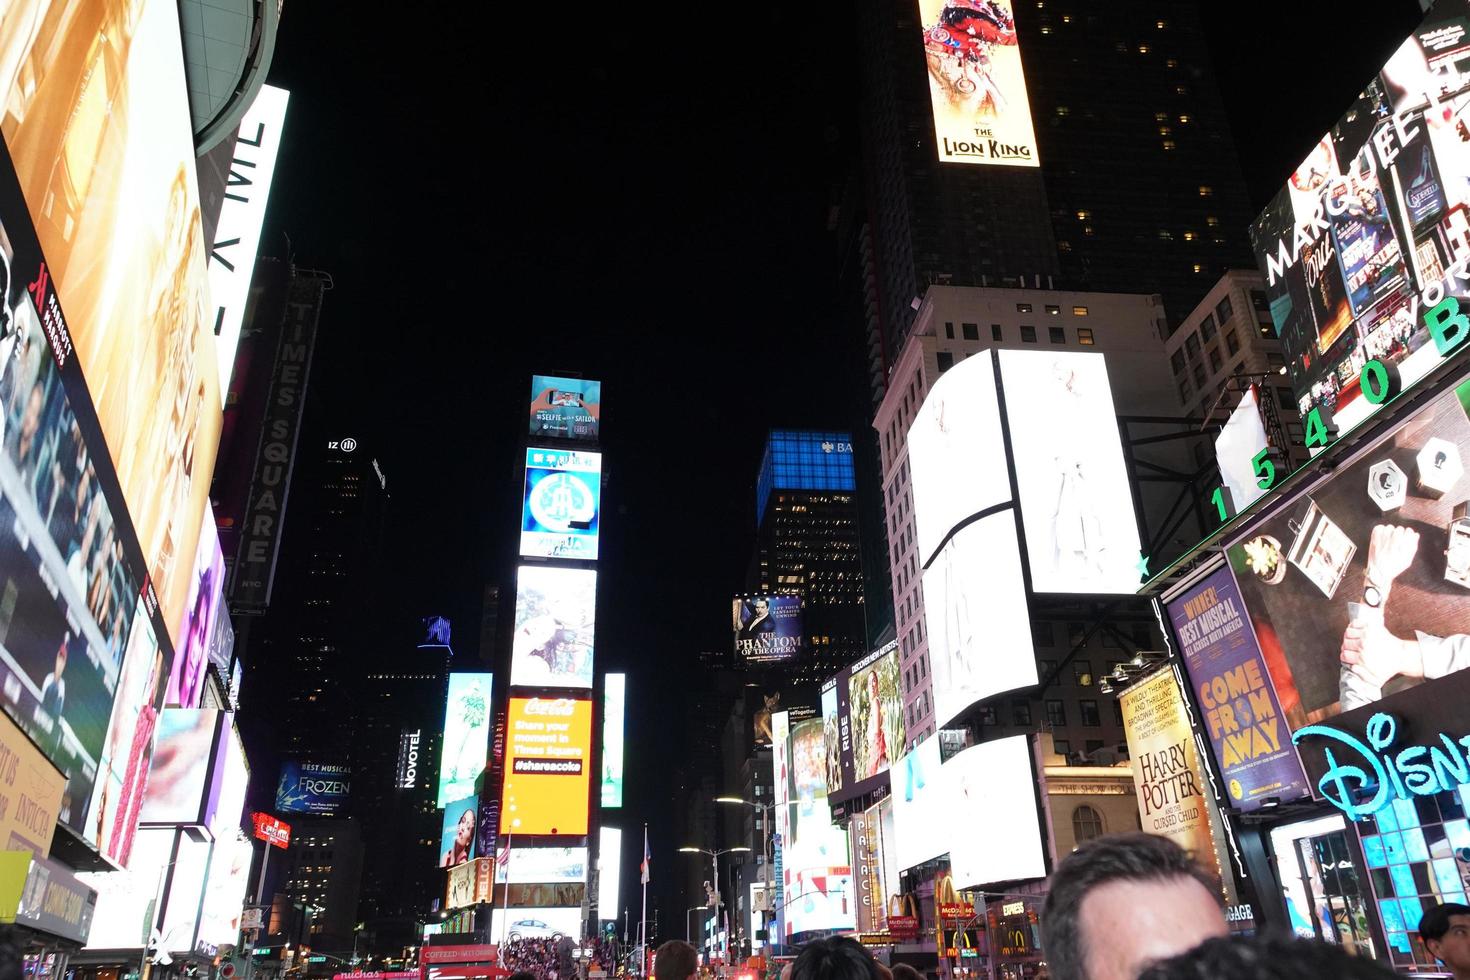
[[1391, 551], [1377, 654]]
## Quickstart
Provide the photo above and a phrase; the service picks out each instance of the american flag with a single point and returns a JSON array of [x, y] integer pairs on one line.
[[644, 865]]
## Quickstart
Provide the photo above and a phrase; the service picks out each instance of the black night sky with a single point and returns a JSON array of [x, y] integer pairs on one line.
[[501, 190]]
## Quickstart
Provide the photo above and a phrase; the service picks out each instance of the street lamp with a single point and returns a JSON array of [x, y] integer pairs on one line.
[[688, 932], [765, 810], [715, 861]]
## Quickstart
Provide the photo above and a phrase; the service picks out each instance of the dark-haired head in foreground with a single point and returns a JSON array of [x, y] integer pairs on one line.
[[1123, 901], [834, 959], [1445, 930], [1268, 958], [675, 960]]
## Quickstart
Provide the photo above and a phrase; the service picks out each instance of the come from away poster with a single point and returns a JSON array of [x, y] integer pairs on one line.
[[1237, 704]]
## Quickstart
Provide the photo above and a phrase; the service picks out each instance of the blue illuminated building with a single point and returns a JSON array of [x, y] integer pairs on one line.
[[804, 459]]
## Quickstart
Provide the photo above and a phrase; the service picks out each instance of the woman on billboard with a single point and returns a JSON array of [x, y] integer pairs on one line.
[[461, 850]]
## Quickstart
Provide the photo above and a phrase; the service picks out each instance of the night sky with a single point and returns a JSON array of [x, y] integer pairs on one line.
[[501, 190]]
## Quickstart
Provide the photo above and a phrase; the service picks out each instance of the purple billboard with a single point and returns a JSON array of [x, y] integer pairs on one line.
[[1238, 706]]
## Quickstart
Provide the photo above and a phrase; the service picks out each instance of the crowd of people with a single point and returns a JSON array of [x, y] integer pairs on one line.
[[1135, 907], [552, 959]]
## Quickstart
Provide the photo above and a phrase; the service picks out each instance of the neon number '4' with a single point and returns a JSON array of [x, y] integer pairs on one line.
[[1265, 468], [1320, 431]]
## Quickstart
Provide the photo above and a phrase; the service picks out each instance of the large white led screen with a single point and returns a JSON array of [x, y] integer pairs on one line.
[[1076, 500], [609, 871], [466, 735], [539, 865], [556, 616], [956, 455], [535, 924], [992, 793], [918, 806], [976, 614]]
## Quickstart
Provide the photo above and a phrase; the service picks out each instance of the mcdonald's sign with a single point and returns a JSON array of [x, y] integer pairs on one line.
[[903, 917]]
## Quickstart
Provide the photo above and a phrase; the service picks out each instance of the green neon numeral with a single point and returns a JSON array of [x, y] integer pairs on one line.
[[1263, 466], [1316, 429], [1218, 499]]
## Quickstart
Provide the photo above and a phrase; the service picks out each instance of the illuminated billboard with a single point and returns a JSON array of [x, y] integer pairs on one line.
[[540, 865], [188, 753], [536, 923], [976, 613], [1075, 495], [99, 128], [613, 707], [815, 869], [565, 408], [862, 724], [555, 624], [609, 871], [312, 787], [241, 215], [957, 458], [919, 806], [466, 736], [767, 628], [804, 459], [976, 86], [992, 795], [1240, 712], [563, 495], [457, 839], [224, 890], [1364, 248], [547, 756], [197, 628]]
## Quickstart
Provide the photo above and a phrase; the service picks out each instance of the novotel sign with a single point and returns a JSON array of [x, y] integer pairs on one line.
[[1364, 774], [408, 760]]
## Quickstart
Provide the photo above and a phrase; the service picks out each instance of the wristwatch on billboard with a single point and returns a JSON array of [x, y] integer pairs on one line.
[[1373, 596]]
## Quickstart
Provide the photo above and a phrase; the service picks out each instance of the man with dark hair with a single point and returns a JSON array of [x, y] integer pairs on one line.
[[840, 958], [1445, 930], [1119, 903], [1267, 958], [902, 971], [675, 960]]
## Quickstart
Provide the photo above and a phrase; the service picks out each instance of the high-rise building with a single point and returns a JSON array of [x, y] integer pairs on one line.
[[952, 324], [1138, 187], [807, 544], [322, 875]]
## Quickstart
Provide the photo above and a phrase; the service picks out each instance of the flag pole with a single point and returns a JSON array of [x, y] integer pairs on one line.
[[643, 917]]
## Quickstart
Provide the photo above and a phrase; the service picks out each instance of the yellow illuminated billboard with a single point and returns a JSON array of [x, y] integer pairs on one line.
[[94, 109], [976, 86], [547, 766]]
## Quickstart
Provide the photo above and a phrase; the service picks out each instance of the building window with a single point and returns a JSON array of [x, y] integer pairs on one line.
[[1090, 717], [1021, 713], [1045, 668], [1199, 375], [949, 331], [1082, 673], [1205, 190], [1079, 311], [1053, 310], [1275, 360], [1057, 334], [1023, 307], [1028, 335], [1184, 390], [1061, 747], [1092, 745], [988, 717], [1086, 824], [1084, 336], [1232, 343], [1223, 309], [1215, 360], [971, 331], [1283, 399], [1191, 345], [946, 360], [1207, 327], [1056, 714], [995, 333], [1117, 712], [1041, 633], [1176, 361], [1076, 634]]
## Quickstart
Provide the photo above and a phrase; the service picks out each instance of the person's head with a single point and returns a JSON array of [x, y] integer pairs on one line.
[[873, 685], [1121, 902], [1267, 958], [834, 959], [465, 832], [61, 655], [675, 960], [902, 971], [1445, 930], [522, 975]]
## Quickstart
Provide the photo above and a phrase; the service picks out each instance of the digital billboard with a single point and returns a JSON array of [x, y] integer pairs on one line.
[[99, 128], [767, 628], [34, 787], [992, 790], [547, 776], [1075, 495], [816, 870], [1232, 686], [1166, 769], [613, 708], [862, 724], [976, 613], [466, 736], [224, 890], [313, 787], [957, 460], [565, 408], [241, 215], [976, 85], [197, 628], [609, 871], [1364, 248], [127, 900], [187, 753], [562, 504], [469, 883], [919, 806], [539, 865], [535, 923], [179, 923], [225, 810], [457, 839], [555, 625]]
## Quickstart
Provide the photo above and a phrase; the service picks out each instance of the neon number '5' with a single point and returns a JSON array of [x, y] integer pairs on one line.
[[1265, 468]]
